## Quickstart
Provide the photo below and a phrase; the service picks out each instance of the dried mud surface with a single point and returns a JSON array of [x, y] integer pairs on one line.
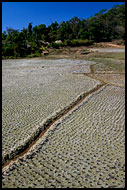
[[111, 78], [32, 91], [108, 49], [86, 148]]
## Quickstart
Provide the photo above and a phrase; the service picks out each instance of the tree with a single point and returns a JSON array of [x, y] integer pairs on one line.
[[4, 35], [39, 32], [30, 28], [52, 31], [103, 26]]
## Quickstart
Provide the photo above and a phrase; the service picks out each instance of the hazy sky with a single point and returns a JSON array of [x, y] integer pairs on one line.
[[18, 14]]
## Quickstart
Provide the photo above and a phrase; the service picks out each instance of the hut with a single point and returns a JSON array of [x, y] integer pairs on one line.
[[58, 41], [45, 52]]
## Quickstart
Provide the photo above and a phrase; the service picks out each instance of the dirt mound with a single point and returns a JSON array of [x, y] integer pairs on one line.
[[109, 44]]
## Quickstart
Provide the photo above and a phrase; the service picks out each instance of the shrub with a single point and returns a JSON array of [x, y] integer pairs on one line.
[[81, 42], [54, 45], [34, 55], [68, 42], [72, 43]]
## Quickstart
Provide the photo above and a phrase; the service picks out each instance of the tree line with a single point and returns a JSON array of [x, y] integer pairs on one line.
[[103, 26]]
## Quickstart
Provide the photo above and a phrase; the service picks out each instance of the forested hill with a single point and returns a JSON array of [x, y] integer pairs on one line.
[[106, 25]]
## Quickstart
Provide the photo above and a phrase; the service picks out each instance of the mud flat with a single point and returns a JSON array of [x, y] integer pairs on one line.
[[34, 91], [86, 148], [111, 78]]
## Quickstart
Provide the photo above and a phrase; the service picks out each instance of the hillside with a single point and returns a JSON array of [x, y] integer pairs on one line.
[[104, 26]]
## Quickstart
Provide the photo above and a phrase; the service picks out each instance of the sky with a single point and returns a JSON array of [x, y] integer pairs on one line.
[[19, 14]]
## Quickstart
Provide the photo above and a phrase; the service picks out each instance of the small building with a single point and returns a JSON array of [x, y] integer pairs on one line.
[[45, 43], [58, 41], [45, 52]]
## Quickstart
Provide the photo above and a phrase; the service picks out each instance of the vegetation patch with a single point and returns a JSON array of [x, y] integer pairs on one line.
[[72, 33]]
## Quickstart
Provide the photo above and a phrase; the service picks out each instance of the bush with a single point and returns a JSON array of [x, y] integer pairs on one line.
[[81, 42], [34, 55], [68, 42], [72, 43], [54, 45], [62, 44]]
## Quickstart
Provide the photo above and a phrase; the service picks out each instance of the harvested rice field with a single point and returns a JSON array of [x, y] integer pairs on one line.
[[34, 91], [84, 149], [111, 78], [84, 101]]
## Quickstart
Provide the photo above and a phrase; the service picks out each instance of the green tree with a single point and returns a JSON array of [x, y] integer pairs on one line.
[[52, 31], [30, 28], [103, 26], [4, 35]]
